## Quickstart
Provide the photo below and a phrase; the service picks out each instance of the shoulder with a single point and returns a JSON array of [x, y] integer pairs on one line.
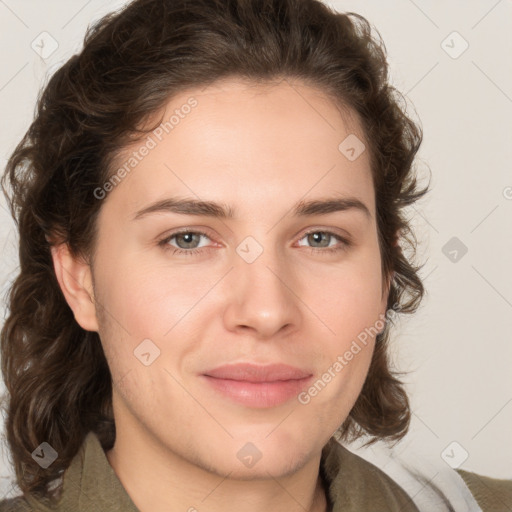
[[18, 504], [491, 494], [356, 484], [29, 503]]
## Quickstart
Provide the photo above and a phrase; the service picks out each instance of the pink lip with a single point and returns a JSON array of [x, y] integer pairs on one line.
[[258, 386]]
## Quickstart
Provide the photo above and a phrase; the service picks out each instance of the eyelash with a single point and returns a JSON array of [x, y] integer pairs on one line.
[[192, 252]]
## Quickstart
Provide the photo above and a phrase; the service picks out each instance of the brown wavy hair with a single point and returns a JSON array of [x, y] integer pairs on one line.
[[133, 61]]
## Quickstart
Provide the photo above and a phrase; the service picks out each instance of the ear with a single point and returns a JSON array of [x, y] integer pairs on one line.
[[75, 281], [386, 286], [386, 282]]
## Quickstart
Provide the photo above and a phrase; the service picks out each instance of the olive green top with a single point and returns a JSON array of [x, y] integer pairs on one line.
[[354, 485]]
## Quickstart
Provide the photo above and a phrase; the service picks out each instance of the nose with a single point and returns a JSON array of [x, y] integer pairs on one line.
[[261, 299]]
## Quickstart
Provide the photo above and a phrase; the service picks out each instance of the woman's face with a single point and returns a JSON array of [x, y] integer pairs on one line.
[[265, 286]]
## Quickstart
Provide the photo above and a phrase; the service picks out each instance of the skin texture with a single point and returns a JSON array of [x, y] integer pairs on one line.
[[259, 149]]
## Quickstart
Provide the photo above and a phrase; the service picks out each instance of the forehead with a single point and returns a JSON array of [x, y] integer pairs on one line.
[[249, 143]]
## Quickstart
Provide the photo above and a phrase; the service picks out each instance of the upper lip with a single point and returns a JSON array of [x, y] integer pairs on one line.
[[257, 373]]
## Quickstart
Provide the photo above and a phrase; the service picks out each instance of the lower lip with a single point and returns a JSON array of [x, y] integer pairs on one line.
[[258, 394]]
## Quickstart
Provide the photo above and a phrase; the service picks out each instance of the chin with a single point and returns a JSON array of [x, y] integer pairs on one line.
[[262, 469]]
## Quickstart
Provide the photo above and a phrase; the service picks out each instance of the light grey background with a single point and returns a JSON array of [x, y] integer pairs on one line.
[[458, 347]]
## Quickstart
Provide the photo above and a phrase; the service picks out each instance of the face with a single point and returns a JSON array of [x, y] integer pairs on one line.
[[274, 283]]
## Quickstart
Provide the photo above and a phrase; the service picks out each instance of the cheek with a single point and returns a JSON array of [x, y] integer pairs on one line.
[[147, 298], [332, 395], [349, 306], [347, 298]]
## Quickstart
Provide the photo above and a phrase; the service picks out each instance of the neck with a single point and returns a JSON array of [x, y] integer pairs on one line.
[[158, 480]]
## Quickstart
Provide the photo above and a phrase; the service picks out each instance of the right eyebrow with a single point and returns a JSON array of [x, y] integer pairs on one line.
[[187, 207]]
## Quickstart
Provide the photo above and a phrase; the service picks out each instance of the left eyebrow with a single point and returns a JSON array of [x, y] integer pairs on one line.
[[223, 211], [330, 205]]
